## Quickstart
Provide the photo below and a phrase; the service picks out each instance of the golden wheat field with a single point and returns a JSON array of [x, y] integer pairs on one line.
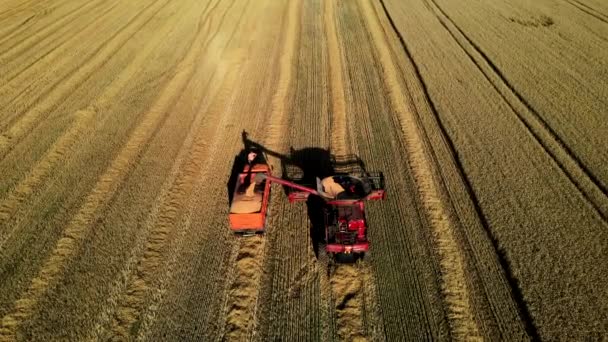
[[120, 122]]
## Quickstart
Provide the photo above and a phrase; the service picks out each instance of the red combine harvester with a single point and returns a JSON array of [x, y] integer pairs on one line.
[[344, 198]]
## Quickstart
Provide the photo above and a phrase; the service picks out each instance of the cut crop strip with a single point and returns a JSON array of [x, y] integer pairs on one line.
[[104, 190], [345, 289], [61, 149], [338, 146], [79, 74], [40, 35], [338, 114], [451, 259], [62, 146], [244, 290], [167, 225]]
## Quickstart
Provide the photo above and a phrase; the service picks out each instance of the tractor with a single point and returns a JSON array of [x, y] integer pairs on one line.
[[343, 197]]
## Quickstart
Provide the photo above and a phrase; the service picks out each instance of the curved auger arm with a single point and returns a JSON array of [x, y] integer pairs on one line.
[[319, 192]]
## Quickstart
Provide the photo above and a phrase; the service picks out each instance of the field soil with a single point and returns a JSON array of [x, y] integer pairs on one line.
[[121, 123]]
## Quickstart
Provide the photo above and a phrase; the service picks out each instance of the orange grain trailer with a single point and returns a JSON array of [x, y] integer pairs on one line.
[[249, 205]]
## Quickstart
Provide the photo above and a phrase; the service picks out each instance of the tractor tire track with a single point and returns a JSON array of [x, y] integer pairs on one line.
[[339, 137], [32, 117], [95, 203], [22, 7], [446, 146], [589, 10], [454, 284], [592, 189], [244, 290]]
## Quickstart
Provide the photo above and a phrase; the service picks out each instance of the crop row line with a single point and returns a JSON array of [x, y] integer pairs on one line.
[[154, 282], [244, 291], [64, 86], [590, 187], [454, 285], [332, 320], [22, 7], [343, 290], [163, 224], [166, 226], [459, 169], [15, 84], [28, 185], [105, 189], [65, 21], [338, 114]]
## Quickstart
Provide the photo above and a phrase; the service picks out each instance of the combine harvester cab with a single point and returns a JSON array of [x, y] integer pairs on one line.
[[345, 221], [344, 198], [248, 210]]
